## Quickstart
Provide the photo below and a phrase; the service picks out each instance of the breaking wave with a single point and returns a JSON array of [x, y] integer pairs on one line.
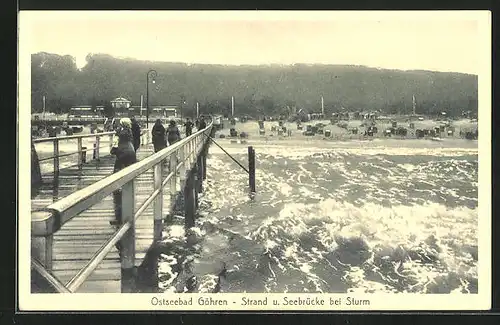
[[332, 220]]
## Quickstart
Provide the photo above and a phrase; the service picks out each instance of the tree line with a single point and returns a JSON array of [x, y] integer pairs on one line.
[[258, 90]]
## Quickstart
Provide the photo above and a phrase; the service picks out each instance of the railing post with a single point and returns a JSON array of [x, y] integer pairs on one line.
[[97, 147], [182, 168], [173, 181], [204, 158], [196, 181], [189, 201], [158, 203], [80, 153], [111, 142], [42, 247], [56, 157], [127, 243]]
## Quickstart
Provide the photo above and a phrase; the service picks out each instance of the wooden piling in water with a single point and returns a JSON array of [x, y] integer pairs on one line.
[[251, 169], [195, 191], [200, 173], [204, 159], [189, 203]]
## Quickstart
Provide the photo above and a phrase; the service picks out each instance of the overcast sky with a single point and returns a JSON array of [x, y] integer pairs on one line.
[[440, 41]]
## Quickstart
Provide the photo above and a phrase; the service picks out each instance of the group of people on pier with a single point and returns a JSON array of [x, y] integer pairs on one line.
[[170, 135], [128, 140]]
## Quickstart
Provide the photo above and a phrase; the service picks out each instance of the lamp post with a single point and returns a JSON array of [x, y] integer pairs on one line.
[[151, 73], [183, 101]]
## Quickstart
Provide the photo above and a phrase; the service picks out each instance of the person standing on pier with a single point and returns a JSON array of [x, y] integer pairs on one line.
[[159, 139], [136, 132], [189, 127], [125, 156], [36, 174], [202, 124], [173, 134]]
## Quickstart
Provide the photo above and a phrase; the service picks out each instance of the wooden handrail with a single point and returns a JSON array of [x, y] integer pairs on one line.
[[71, 137], [53, 280], [101, 253], [98, 257], [49, 220]]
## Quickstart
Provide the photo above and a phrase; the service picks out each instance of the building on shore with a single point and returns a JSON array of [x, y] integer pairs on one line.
[[162, 111], [121, 103], [85, 111], [121, 107]]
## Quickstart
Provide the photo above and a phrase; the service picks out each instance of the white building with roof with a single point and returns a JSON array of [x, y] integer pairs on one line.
[[120, 102]]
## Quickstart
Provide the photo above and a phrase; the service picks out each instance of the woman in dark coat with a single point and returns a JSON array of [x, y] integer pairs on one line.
[[136, 132], [158, 132], [125, 156], [124, 150], [202, 124], [36, 174], [173, 134]]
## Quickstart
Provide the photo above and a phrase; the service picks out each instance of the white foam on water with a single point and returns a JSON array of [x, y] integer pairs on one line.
[[415, 214], [298, 152], [208, 283], [165, 272]]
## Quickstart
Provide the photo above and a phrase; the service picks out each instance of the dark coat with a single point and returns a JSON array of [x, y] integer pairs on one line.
[[125, 152], [159, 139], [189, 128], [173, 134], [36, 174], [136, 132], [202, 125]]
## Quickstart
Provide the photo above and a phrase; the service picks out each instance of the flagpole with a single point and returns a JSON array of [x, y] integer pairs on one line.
[[322, 107], [232, 106], [141, 104], [414, 105]]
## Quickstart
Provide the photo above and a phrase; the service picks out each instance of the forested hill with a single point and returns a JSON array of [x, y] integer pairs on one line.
[[268, 89]]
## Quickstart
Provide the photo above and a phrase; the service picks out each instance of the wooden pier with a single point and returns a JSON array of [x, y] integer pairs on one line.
[[73, 242]]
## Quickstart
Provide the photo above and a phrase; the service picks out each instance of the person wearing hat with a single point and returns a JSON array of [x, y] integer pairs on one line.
[[123, 149], [188, 126], [173, 134], [136, 132], [159, 139]]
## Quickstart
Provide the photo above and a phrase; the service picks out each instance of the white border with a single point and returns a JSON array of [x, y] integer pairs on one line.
[[480, 301]]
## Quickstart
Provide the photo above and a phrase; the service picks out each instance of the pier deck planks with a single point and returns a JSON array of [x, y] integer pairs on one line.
[[80, 238]]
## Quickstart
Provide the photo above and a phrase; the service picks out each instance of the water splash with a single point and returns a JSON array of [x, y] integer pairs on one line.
[[377, 219]]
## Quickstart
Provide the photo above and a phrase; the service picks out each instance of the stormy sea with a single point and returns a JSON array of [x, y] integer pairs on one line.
[[384, 215]]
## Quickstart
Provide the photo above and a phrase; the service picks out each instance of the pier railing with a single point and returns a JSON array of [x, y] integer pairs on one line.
[[186, 160], [80, 151]]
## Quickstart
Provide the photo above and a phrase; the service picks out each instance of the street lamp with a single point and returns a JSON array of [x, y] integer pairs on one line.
[[183, 102], [151, 73]]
